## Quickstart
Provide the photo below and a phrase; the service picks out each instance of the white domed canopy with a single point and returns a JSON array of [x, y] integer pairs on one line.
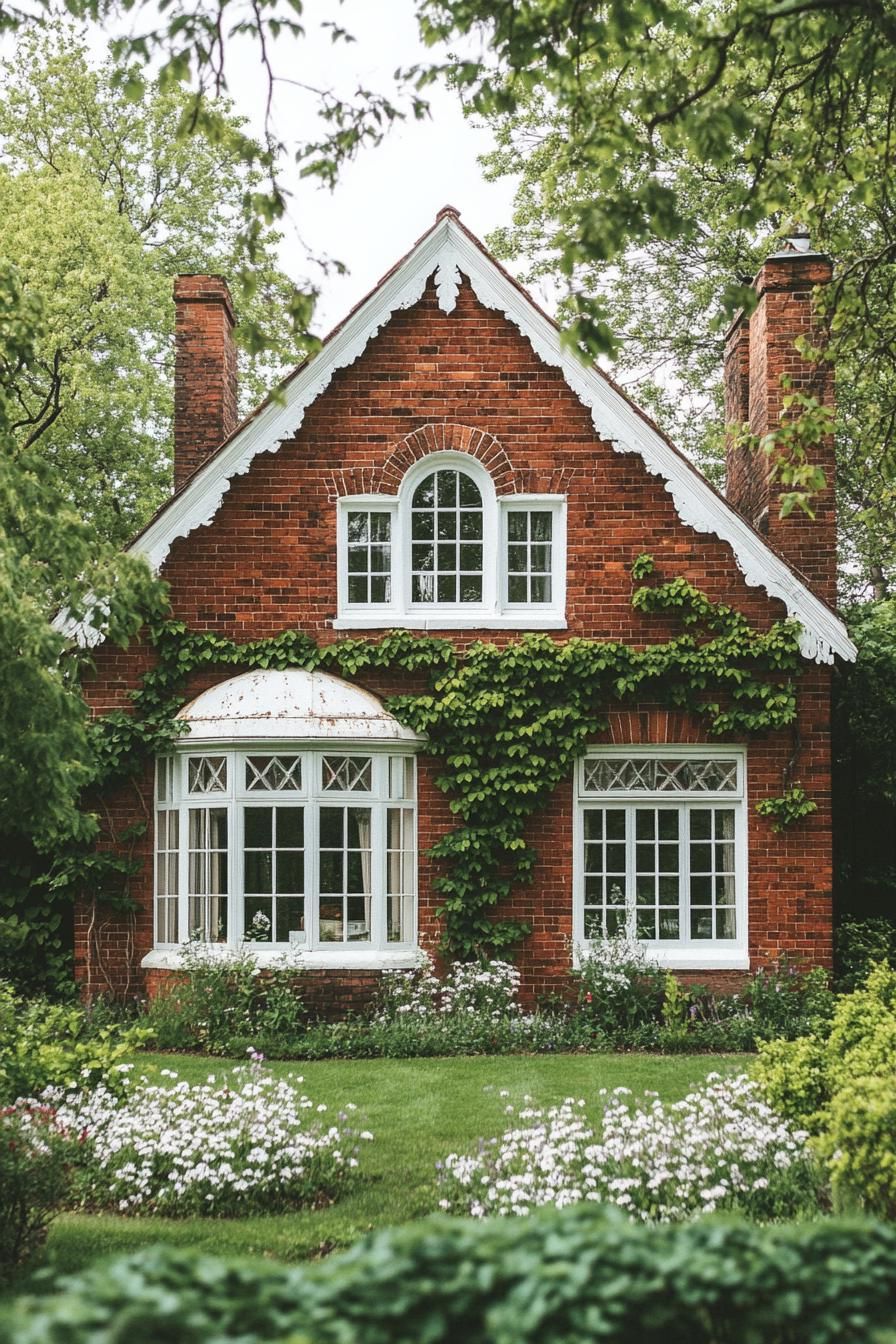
[[290, 705]]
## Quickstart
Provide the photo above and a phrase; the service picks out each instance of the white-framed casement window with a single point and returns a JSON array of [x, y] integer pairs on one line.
[[275, 847], [448, 552], [661, 852]]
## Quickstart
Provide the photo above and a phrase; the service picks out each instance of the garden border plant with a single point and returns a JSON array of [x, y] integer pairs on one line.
[[574, 1274], [505, 723]]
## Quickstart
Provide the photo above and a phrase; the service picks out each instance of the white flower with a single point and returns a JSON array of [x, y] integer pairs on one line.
[[719, 1145], [215, 1147]]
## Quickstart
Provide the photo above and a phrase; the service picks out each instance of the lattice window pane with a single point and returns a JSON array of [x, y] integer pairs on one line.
[[446, 508], [274, 773], [346, 774], [207, 774], [657, 864], [653, 775]]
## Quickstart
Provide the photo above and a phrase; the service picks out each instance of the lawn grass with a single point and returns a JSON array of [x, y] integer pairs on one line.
[[418, 1110]]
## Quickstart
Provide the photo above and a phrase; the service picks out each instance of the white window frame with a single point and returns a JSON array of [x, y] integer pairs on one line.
[[379, 952], [494, 611], [683, 953]]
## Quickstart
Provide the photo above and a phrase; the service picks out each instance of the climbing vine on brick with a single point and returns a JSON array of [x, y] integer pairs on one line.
[[505, 723]]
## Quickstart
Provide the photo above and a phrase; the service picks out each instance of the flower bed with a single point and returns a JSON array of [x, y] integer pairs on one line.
[[240, 1143], [721, 1147]]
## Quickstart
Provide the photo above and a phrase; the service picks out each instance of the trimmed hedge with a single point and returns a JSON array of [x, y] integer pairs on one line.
[[566, 1277]]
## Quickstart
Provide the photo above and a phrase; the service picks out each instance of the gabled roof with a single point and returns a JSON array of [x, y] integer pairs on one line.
[[449, 251]]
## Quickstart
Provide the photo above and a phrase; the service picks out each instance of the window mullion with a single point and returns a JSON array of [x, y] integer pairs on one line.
[[378, 871], [237, 882], [684, 870], [312, 850], [378, 845], [630, 868], [183, 850]]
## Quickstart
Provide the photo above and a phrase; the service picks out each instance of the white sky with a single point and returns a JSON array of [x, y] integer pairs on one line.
[[391, 194]]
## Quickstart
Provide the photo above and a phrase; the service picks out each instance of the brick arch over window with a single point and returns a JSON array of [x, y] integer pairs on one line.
[[650, 724], [438, 438]]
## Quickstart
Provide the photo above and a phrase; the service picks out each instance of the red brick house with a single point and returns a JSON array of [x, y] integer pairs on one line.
[[446, 464]]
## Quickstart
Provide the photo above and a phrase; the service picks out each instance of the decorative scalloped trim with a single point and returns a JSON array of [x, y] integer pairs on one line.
[[448, 251]]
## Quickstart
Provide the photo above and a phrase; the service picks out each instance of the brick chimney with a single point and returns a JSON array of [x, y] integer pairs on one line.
[[205, 411], [758, 350]]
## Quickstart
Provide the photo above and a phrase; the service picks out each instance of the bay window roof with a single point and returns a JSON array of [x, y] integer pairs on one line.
[[289, 704]]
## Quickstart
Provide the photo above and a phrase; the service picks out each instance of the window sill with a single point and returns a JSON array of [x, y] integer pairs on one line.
[[169, 959], [387, 620], [687, 958]]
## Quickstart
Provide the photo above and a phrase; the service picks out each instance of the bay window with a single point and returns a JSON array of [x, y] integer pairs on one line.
[[660, 852], [280, 847]]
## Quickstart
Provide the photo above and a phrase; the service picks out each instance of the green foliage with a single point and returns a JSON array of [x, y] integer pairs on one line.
[[50, 561], [858, 944], [792, 805], [860, 1014], [787, 1001], [51, 1044], [580, 1273], [866, 702], [619, 989], [506, 724], [219, 1002], [598, 132], [103, 201], [858, 1142], [793, 1075], [34, 1178], [547, 1031], [675, 1011], [841, 1086]]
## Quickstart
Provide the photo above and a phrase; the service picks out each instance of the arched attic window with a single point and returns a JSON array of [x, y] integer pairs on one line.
[[447, 532], [447, 552], [285, 818]]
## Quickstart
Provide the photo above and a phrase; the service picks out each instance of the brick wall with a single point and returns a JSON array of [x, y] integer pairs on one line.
[[268, 562]]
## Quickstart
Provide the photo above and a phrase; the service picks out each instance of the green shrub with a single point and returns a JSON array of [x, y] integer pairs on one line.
[[794, 1077], [221, 999], [48, 1044], [619, 989], [858, 944], [860, 1014], [34, 1172], [859, 1141], [786, 1002], [427, 1037], [563, 1277], [842, 1086]]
